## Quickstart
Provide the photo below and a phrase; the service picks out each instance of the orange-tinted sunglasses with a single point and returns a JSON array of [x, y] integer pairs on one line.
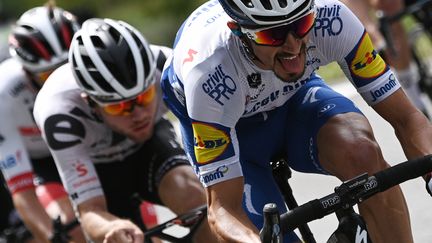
[[276, 35], [125, 108], [42, 76]]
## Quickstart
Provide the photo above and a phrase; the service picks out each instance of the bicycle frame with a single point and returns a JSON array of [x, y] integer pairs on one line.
[[345, 197], [349, 221]]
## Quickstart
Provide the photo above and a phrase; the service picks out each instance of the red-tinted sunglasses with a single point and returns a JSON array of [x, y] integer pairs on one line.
[[125, 108], [276, 35]]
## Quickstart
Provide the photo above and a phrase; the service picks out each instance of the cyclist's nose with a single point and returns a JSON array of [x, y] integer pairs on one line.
[[139, 112], [292, 43]]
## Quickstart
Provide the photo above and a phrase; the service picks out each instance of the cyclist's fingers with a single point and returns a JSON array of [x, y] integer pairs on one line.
[[136, 236], [124, 236]]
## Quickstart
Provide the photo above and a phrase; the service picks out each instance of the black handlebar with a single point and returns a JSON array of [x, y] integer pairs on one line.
[[352, 192], [191, 220]]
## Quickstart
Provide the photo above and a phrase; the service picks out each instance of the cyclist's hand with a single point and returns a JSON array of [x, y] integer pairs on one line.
[[428, 179], [124, 231]]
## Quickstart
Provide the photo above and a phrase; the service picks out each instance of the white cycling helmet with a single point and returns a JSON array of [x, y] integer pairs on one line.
[[111, 60], [266, 12], [41, 37]]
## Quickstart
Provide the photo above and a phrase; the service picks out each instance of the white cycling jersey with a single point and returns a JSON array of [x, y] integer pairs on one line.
[[76, 136], [215, 79], [20, 138]]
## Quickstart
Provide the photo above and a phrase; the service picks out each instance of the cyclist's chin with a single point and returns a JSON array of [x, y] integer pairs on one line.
[[289, 77], [140, 135]]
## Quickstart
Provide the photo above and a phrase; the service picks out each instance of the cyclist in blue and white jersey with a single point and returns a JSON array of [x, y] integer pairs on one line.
[[102, 116], [38, 44], [242, 82]]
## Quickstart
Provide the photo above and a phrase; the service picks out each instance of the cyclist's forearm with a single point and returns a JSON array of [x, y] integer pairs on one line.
[[97, 224], [233, 228], [33, 215], [415, 136]]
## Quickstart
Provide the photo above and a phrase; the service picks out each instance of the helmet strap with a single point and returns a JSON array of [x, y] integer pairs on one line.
[[246, 42]]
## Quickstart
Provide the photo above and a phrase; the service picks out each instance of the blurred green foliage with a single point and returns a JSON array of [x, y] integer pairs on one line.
[[158, 20]]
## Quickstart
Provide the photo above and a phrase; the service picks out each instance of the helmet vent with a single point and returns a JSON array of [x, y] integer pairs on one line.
[[283, 3], [51, 14], [115, 34], [143, 54], [248, 3], [297, 11], [97, 42], [266, 4]]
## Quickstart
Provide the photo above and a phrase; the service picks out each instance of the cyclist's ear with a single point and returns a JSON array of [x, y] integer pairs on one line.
[[235, 28]]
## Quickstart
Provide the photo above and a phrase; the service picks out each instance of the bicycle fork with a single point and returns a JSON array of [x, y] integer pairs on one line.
[[352, 228]]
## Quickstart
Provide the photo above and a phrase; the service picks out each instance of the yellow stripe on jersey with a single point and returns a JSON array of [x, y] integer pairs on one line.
[[367, 63], [209, 142]]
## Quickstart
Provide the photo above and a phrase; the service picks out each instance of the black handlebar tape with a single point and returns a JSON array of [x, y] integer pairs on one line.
[[305, 213], [318, 208], [404, 171]]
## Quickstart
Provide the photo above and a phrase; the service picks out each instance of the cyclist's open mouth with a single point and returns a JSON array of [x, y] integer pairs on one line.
[[292, 64]]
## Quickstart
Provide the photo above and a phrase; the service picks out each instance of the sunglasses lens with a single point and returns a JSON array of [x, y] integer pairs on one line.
[[42, 76], [272, 37], [118, 109], [125, 108], [302, 26], [147, 96], [276, 36]]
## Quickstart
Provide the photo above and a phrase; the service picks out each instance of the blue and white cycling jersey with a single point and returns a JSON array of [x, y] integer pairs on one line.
[[211, 83]]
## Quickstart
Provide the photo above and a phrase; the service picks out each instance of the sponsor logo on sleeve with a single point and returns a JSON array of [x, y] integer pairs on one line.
[[383, 89], [8, 162], [219, 173], [80, 169], [366, 62], [11, 160], [209, 142], [219, 86]]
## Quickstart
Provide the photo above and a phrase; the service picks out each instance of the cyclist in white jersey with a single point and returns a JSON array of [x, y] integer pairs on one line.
[[38, 43], [102, 117], [242, 82]]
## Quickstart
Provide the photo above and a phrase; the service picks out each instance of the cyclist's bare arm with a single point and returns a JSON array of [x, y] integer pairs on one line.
[[33, 214], [101, 226], [225, 213], [412, 128]]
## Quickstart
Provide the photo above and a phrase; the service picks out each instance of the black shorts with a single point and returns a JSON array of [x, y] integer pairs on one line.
[[45, 171], [6, 204], [141, 172]]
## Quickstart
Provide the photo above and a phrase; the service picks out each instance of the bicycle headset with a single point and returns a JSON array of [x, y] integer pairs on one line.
[[111, 61], [41, 37], [254, 13]]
